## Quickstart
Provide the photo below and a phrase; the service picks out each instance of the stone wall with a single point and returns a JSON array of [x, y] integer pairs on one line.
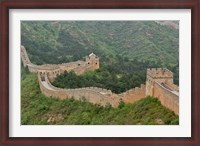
[[70, 66], [24, 56], [173, 86], [92, 94], [168, 98], [134, 94], [79, 67], [159, 83]]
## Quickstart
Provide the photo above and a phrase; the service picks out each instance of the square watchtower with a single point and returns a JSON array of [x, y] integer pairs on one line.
[[93, 61], [159, 75]]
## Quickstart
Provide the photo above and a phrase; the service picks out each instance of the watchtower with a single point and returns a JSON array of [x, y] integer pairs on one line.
[[93, 61], [159, 75]]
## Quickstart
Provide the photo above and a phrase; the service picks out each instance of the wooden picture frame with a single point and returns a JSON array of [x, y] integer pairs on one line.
[[6, 5]]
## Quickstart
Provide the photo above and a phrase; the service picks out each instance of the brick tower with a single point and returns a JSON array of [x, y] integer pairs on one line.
[[159, 75], [93, 61]]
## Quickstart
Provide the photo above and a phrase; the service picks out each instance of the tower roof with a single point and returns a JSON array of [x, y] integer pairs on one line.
[[92, 54]]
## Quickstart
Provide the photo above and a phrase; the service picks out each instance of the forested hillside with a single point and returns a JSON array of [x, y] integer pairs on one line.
[[67, 40], [40, 110], [121, 45]]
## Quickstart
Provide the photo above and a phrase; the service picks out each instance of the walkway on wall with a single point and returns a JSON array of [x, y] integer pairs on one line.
[[46, 85], [170, 89], [94, 95]]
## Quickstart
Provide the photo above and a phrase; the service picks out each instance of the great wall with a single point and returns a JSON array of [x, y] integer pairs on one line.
[[159, 83]]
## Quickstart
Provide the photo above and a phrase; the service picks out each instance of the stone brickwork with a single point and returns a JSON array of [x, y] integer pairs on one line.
[[159, 83], [24, 56], [92, 94], [167, 97], [134, 94], [52, 70]]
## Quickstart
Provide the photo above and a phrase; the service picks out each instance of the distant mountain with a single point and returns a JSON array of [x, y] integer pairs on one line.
[[62, 41]]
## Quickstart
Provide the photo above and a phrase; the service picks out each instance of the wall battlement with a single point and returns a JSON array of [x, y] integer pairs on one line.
[[159, 73], [159, 83]]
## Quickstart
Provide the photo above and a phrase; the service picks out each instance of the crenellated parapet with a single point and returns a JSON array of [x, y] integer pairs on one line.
[[159, 73], [79, 67], [159, 83]]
